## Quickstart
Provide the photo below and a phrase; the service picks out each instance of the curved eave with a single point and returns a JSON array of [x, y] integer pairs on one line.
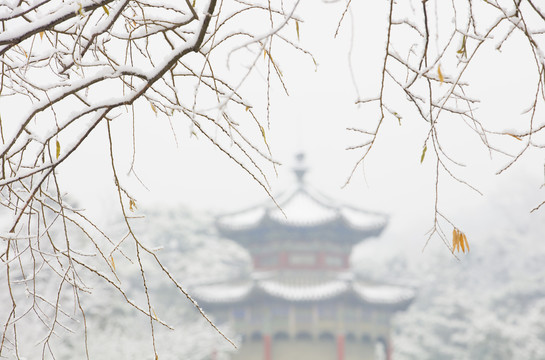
[[301, 207], [268, 229], [223, 293], [262, 292]]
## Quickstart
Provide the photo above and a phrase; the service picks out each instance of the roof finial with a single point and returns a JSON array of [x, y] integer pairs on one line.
[[300, 168]]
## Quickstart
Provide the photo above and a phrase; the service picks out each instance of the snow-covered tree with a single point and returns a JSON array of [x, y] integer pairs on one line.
[[488, 307], [73, 69], [434, 68], [101, 325]]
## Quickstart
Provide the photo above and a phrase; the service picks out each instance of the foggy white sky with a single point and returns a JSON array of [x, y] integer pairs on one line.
[[313, 119]]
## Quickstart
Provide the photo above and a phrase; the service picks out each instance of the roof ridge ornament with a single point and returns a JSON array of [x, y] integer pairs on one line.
[[300, 168]]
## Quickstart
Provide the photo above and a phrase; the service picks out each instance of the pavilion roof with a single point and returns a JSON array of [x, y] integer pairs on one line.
[[300, 208], [375, 294]]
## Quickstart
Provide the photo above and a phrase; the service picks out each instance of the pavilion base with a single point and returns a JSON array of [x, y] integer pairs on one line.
[[306, 349]]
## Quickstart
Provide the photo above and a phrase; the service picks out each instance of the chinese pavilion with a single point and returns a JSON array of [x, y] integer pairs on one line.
[[302, 301]]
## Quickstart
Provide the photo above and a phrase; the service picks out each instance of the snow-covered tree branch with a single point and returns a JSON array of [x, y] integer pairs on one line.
[[430, 47], [72, 69]]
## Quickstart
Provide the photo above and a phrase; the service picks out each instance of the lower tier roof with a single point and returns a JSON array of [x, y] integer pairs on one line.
[[239, 292]]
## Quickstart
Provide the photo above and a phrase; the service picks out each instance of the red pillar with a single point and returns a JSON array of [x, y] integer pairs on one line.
[[340, 347], [283, 260], [267, 345], [389, 349]]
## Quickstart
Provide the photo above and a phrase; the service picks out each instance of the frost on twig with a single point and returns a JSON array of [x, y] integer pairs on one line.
[[82, 68], [429, 48]]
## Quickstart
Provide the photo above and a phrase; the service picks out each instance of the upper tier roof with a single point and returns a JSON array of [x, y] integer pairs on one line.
[[301, 208]]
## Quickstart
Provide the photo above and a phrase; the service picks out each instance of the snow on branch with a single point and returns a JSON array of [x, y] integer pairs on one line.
[[430, 47], [73, 69]]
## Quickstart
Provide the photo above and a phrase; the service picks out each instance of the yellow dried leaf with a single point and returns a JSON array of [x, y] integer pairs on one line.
[[132, 205], [106, 10], [463, 51], [247, 108], [423, 153], [112, 260], [297, 28], [58, 149], [154, 314], [194, 1], [398, 117], [263, 134], [153, 108], [273, 63], [41, 35], [455, 240], [515, 136], [80, 10], [459, 240], [441, 78]]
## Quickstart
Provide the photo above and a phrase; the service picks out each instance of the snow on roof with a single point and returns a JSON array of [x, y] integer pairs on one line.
[[384, 294], [222, 293], [305, 292], [303, 206], [362, 219], [243, 219], [302, 209], [369, 293]]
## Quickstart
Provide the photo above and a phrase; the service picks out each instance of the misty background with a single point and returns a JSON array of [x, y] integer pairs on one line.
[[488, 304]]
